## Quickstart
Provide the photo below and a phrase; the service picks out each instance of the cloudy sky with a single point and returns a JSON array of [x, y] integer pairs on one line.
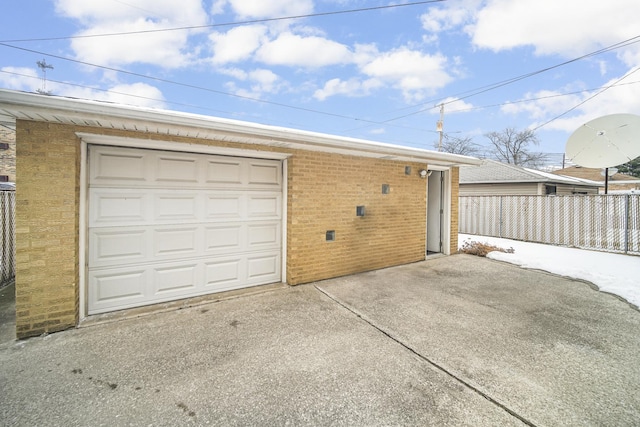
[[373, 69]]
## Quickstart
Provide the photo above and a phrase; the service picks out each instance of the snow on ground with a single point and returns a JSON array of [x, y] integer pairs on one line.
[[614, 273]]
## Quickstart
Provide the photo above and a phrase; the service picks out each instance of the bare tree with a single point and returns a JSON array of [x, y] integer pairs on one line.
[[513, 146], [455, 145]]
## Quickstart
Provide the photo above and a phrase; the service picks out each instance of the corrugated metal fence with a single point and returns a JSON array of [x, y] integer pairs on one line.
[[7, 236], [608, 223]]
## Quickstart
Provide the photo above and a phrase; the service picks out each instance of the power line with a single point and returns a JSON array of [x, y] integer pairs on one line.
[[192, 105], [586, 100], [188, 85], [229, 24], [557, 95], [469, 93], [493, 86]]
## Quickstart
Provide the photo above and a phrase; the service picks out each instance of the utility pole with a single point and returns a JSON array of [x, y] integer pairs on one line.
[[440, 126], [43, 67]]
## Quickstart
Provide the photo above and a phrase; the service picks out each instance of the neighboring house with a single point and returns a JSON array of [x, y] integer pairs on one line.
[[496, 178], [7, 153], [617, 182], [121, 207]]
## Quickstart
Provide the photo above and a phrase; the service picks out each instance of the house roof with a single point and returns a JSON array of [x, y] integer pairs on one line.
[[99, 114], [595, 174], [493, 172]]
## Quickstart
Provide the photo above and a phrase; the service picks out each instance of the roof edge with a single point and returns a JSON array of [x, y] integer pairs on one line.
[[11, 101]]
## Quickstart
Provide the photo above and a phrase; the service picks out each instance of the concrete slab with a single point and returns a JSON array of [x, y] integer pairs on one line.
[[287, 357], [554, 351], [450, 341]]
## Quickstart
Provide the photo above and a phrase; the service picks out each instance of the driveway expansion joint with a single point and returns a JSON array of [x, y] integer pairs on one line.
[[425, 358]]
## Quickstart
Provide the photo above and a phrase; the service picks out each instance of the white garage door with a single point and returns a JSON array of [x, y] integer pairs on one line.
[[168, 225]]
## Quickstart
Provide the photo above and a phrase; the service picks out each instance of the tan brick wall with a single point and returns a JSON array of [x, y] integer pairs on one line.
[[455, 209], [46, 228], [8, 157], [323, 192]]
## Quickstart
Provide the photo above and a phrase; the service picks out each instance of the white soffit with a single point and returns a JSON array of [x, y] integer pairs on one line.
[[36, 107]]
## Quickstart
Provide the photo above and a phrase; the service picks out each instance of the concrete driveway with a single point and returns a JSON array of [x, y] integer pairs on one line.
[[453, 341]]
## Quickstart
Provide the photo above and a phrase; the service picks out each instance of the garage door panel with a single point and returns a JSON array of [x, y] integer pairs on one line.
[[110, 207], [262, 174], [180, 225], [114, 289], [176, 278], [263, 266], [264, 206], [176, 207], [224, 238], [110, 247], [113, 246], [225, 171], [223, 273], [175, 168], [176, 242], [263, 235], [229, 207], [117, 165]]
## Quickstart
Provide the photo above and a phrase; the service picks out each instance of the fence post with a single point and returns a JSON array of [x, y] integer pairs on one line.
[[627, 214], [500, 218]]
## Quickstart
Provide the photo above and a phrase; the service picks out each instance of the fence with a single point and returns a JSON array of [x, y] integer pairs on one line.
[[7, 236], [608, 223]]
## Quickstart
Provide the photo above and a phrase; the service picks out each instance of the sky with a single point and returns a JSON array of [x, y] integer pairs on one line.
[[369, 69], [613, 273]]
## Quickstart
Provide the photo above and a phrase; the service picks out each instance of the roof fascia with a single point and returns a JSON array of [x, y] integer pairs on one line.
[[38, 107]]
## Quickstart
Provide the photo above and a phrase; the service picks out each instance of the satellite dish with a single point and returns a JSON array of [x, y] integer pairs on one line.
[[606, 141]]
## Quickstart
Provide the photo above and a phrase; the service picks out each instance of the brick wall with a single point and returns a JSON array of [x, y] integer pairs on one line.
[[323, 192], [46, 228], [455, 209]]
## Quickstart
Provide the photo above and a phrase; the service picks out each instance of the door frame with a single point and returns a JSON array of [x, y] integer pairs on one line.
[[87, 139], [445, 218]]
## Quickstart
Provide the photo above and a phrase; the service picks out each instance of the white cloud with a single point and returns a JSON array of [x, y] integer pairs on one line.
[[260, 81], [164, 49], [454, 105], [543, 104], [569, 28], [415, 73], [236, 73], [140, 94], [27, 79], [265, 80], [309, 52], [352, 88], [167, 49], [20, 78], [237, 44], [622, 98], [184, 12], [269, 9], [455, 15]]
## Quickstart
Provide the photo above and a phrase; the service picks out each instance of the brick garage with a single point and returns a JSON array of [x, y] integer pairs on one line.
[[324, 179]]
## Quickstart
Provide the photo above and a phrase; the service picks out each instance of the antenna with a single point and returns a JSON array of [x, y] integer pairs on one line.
[[605, 142], [440, 126], [43, 67]]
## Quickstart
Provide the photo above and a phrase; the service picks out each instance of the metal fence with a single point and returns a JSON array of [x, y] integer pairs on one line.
[[608, 223], [8, 236]]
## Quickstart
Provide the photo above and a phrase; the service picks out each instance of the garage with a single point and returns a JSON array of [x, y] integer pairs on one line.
[[166, 225]]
